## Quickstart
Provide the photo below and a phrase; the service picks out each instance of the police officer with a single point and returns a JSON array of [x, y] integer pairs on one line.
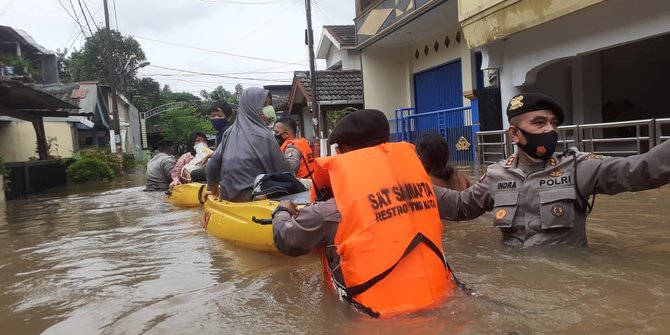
[[380, 232], [539, 197], [297, 151]]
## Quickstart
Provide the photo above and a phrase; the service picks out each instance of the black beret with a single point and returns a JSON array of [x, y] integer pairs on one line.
[[530, 102], [362, 128]]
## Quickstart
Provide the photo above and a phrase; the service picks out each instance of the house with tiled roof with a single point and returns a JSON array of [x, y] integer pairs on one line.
[[335, 90], [338, 47], [338, 87], [94, 100], [280, 96]]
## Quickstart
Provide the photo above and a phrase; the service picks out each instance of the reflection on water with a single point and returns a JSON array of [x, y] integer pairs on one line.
[[111, 259]]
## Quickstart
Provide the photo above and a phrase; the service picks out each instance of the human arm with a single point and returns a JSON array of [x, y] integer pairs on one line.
[[611, 175], [167, 166], [213, 171], [178, 166], [467, 204], [293, 156], [310, 228], [205, 158]]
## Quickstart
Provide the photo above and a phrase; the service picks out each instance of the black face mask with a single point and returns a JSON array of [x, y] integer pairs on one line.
[[280, 139], [539, 146]]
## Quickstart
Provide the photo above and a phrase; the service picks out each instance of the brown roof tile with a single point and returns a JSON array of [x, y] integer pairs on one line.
[[334, 85], [345, 34]]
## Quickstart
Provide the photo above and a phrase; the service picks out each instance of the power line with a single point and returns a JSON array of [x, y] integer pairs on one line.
[[76, 17], [84, 15], [267, 2], [217, 75], [318, 9], [6, 8], [116, 17], [212, 51], [72, 17], [92, 16], [263, 25]]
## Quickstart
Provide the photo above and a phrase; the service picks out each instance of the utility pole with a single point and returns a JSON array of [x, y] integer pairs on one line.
[[112, 83], [312, 73]]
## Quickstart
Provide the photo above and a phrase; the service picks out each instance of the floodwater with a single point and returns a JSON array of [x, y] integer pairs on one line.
[[111, 259]]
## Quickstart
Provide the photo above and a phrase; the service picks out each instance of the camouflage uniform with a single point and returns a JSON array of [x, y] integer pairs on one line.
[[547, 204]]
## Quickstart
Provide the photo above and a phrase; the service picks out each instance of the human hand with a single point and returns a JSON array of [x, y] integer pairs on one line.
[[292, 209], [214, 192], [174, 183]]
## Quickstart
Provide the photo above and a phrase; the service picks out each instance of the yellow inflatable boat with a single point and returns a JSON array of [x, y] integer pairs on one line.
[[187, 195], [248, 224]]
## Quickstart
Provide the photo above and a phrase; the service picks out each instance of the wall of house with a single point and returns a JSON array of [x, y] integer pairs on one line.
[[19, 142], [523, 56], [334, 56], [485, 21], [386, 83], [443, 55], [351, 60]]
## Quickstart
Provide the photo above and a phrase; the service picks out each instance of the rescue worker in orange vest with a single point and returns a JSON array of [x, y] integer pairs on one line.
[[297, 151], [379, 233]]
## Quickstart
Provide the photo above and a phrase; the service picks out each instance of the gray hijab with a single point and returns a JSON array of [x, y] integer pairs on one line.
[[248, 149]]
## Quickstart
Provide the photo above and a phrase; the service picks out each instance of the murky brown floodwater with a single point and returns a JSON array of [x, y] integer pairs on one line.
[[110, 259]]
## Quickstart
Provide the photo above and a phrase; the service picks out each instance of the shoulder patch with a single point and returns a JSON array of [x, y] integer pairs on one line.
[[594, 156], [556, 173]]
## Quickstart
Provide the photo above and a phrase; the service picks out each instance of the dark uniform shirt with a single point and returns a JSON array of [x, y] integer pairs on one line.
[[159, 171], [545, 204]]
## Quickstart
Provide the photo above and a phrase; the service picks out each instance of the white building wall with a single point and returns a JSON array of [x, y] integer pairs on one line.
[[19, 142], [386, 83], [522, 56], [334, 56], [351, 59], [455, 51]]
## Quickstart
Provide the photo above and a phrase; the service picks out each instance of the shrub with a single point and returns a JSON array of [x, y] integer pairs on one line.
[[106, 156], [128, 162], [5, 174], [88, 169]]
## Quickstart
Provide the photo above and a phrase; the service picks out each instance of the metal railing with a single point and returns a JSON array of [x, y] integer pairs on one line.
[[602, 138], [662, 130], [493, 146], [454, 124]]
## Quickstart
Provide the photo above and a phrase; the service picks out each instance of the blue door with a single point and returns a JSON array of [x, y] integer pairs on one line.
[[441, 89], [438, 89]]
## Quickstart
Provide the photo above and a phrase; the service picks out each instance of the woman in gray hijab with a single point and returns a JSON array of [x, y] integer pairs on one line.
[[248, 149]]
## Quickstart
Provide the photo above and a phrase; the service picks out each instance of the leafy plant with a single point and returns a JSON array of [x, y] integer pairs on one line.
[[107, 157], [21, 64], [178, 124], [128, 162], [89, 169], [335, 116], [5, 176], [52, 149]]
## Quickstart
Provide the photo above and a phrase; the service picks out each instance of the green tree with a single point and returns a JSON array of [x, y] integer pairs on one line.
[[63, 63], [147, 95], [178, 124], [219, 94], [90, 63]]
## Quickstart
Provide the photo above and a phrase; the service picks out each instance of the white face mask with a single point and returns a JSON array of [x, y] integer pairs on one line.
[[199, 146]]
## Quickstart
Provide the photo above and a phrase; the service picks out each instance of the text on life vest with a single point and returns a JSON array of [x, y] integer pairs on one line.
[[401, 199]]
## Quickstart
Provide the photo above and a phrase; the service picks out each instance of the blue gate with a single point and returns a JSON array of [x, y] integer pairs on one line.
[[439, 109]]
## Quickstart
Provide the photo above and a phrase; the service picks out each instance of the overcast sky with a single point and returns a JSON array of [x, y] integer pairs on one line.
[[266, 29]]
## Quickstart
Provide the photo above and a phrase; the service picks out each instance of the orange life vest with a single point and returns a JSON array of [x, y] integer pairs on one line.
[[390, 236], [306, 151]]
